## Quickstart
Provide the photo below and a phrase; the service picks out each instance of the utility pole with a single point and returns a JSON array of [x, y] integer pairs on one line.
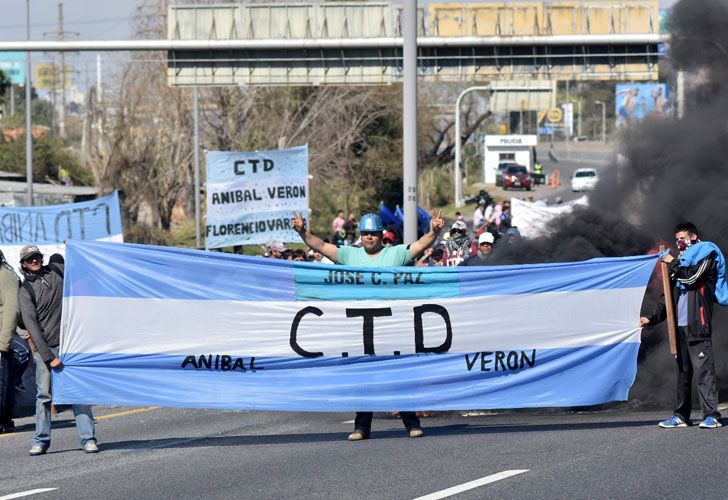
[[604, 119], [54, 96], [98, 78], [28, 119], [578, 123], [60, 35], [196, 146], [568, 102], [409, 107], [62, 110]]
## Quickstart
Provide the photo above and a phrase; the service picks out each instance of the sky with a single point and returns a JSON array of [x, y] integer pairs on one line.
[[92, 19], [85, 19]]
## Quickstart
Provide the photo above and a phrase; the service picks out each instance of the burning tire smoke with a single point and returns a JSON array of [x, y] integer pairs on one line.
[[669, 170]]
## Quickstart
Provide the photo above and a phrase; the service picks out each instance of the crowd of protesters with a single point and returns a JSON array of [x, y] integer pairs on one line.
[[463, 242], [30, 309]]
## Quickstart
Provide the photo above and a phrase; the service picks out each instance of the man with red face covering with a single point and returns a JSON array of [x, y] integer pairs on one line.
[[698, 279]]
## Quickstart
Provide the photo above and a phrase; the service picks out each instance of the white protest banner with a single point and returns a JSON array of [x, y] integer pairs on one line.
[[532, 219], [178, 327], [251, 196], [50, 226]]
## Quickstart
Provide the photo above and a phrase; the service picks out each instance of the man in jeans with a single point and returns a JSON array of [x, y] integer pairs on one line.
[[41, 301]]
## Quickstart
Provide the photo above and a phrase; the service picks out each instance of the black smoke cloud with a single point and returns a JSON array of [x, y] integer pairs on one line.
[[669, 170]]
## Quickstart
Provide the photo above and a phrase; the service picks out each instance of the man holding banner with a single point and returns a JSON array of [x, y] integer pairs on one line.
[[41, 302], [698, 278], [373, 253]]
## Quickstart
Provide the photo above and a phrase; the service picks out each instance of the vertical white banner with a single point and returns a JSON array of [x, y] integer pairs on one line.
[[251, 196]]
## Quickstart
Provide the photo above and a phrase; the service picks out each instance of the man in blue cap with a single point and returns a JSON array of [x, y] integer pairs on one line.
[[374, 254]]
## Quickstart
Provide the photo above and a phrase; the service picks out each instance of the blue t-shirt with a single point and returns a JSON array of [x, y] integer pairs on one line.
[[398, 255]]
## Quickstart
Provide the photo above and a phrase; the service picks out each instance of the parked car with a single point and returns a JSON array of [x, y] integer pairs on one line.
[[584, 179], [517, 176], [502, 166]]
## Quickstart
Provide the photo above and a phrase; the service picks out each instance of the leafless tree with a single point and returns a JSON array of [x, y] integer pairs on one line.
[[143, 146]]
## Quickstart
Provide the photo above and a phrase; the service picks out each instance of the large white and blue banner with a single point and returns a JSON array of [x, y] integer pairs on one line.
[[50, 226], [176, 327], [250, 196]]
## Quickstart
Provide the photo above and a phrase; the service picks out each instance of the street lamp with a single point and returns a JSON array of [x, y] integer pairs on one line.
[[604, 120], [458, 177]]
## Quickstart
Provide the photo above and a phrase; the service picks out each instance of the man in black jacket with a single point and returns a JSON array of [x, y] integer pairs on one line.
[[693, 277], [41, 302]]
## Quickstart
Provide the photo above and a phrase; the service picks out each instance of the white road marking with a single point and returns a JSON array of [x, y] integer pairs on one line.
[[27, 493], [471, 485], [347, 422]]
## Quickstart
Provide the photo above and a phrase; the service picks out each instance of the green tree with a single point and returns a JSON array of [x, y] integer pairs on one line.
[[48, 155]]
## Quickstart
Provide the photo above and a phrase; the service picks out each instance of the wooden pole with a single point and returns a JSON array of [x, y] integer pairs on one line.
[[671, 323]]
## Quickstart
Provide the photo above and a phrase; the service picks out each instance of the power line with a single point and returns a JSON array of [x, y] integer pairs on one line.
[[88, 21]]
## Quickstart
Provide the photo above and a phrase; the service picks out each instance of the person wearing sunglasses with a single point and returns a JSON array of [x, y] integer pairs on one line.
[[41, 302], [697, 276]]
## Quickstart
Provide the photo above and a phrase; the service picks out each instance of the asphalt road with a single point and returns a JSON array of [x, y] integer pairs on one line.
[[573, 156], [177, 453]]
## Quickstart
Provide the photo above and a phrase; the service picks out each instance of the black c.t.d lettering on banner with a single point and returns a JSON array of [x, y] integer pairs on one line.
[[294, 332], [107, 215], [419, 330], [81, 220], [369, 315], [57, 224]]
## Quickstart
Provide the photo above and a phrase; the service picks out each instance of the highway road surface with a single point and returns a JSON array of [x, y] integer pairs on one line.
[[179, 453]]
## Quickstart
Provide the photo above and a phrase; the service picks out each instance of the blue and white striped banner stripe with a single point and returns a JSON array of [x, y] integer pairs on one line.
[[150, 325], [148, 274]]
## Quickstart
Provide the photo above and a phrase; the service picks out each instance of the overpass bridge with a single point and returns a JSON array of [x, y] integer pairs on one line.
[[361, 43], [314, 43]]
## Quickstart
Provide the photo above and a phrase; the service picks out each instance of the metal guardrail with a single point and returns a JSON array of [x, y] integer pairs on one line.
[[329, 43]]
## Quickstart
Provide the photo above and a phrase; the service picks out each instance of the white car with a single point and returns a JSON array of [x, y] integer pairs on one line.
[[584, 179]]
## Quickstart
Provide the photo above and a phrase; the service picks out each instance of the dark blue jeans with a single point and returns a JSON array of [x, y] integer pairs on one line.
[[7, 391]]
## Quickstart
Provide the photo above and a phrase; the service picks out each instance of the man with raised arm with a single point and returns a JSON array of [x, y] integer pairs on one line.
[[373, 253]]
